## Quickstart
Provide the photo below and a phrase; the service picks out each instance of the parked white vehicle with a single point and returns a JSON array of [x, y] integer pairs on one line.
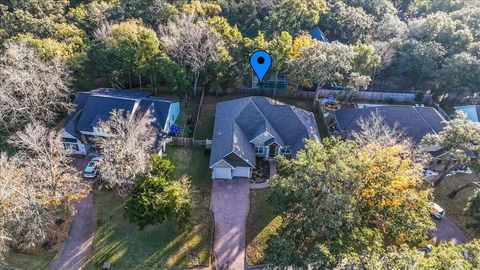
[[437, 211], [429, 172], [91, 168]]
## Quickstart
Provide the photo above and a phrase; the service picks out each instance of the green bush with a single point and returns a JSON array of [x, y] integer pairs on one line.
[[155, 198]]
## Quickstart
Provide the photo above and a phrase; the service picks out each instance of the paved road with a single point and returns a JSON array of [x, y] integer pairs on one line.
[[448, 231], [230, 203], [76, 247]]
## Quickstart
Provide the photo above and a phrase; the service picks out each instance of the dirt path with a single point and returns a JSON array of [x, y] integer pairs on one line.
[[230, 206], [80, 237]]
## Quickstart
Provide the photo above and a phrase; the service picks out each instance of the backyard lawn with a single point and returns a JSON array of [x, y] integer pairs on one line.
[[207, 113], [186, 111], [454, 206], [261, 225], [162, 246]]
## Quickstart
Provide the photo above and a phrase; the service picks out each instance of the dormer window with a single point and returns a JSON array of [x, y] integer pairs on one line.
[[287, 150]]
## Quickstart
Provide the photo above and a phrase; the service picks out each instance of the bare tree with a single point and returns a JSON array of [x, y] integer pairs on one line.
[[103, 31], [374, 129], [48, 164], [126, 145], [24, 217], [191, 43], [31, 89], [34, 185], [22, 210]]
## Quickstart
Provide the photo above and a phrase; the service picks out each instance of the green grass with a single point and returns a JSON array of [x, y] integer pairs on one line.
[[186, 111], [454, 206], [261, 225], [161, 246], [30, 261]]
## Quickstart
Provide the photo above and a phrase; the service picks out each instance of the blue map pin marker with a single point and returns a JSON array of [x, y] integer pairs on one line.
[[260, 62]]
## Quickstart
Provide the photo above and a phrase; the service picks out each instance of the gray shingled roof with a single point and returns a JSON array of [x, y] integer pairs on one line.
[[415, 122], [239, 121], [96, 105], [98, 108]]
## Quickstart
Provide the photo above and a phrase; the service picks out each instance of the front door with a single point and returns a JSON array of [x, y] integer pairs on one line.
[[272, 151]]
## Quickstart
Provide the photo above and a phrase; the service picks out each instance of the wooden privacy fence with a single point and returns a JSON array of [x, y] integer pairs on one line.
[[275, 93], [369, 96], [190, 142], [198, 113]]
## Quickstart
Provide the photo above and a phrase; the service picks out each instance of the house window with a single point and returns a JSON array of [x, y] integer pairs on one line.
[[70, 146], [260, 150], [287, 150]]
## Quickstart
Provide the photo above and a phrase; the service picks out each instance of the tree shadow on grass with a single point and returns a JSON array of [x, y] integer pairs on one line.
[[261, 225]]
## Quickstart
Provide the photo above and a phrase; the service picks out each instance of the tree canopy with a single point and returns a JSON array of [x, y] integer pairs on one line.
[[341, 197]]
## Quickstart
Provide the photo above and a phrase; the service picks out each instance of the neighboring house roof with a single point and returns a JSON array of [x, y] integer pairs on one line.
[[98, 108], [96, 105], [472, 111], [415, 122], [317, 34], [239, 121]]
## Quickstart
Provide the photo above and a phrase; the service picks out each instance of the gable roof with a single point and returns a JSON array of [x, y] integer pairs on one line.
[[98, 108], [96, 105], [239, 121], [415, 122]]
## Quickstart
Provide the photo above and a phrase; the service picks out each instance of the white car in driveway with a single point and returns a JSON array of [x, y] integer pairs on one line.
[[91, 168], [437, 211]]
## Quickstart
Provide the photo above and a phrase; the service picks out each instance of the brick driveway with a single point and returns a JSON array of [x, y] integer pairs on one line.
[[230, 203]]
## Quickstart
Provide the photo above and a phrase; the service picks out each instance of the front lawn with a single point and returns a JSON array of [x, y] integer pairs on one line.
[[261, 225], [162, 246], [29, 261], [454, 206]]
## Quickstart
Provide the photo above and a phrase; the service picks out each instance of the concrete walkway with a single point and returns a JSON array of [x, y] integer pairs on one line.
[[230, 203], [273, 167], [80, 237]]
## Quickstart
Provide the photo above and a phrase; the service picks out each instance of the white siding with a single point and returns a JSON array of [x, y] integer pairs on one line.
[[222, 173], [241, 172], [81, 147]]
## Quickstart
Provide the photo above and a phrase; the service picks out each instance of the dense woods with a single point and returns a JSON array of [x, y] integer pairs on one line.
[[400, 45]]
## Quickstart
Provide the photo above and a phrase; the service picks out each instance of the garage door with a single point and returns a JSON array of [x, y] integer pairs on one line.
[[241, 172], [222, 173]]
